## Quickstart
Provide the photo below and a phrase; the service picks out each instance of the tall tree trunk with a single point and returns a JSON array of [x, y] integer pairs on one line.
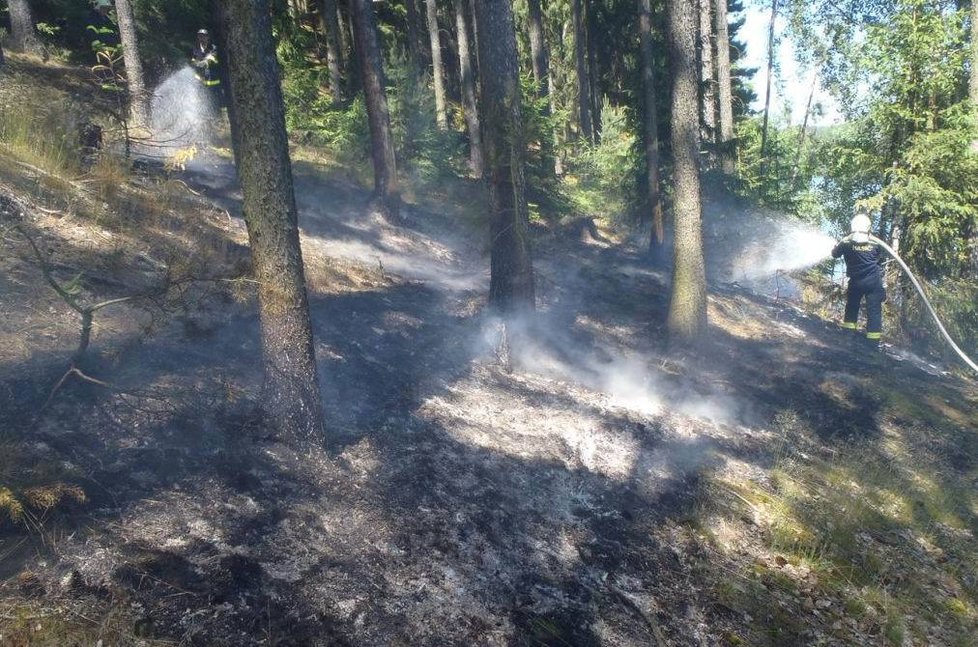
[[538, 48], [651, 124], [973, 80], [22, 31], [468, 89], [416, 44], [291, 388], [770, 73], [583, 78], [511, 286], [330, 25], [725, 87], [386, 192], [708, 77], [3, 61], [437, 69], [138, 99], [344, 15], [687, 306], [594, 84]]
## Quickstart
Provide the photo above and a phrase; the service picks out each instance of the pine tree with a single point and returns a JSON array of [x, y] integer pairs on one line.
[[651, 127], [511, 287], [138, 99], [437, 68], [687, 305], [724, 87], [467, 81], [330, 26], [290, 394], [386, 191], [22, 30]]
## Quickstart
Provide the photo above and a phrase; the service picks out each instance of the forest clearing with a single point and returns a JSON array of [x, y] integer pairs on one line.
[[272, 376]]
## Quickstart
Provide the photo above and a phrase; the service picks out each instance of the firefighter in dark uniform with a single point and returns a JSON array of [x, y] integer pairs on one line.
[[203, 58], [863, 266]]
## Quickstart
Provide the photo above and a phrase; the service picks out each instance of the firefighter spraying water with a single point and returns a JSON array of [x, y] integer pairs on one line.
[[862, 253]]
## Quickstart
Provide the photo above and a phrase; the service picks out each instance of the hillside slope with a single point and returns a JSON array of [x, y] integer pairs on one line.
[[576, 483]]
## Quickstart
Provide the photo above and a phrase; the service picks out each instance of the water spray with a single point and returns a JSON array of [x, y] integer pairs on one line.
[[920, 290]]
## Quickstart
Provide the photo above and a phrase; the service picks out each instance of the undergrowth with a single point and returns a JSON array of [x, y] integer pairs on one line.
[[876, 539]]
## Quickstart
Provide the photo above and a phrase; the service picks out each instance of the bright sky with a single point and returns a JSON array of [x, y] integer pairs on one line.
[[792, 86]]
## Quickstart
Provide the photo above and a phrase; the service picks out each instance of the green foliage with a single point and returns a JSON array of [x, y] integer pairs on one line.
[[603, 176], [429, 153]]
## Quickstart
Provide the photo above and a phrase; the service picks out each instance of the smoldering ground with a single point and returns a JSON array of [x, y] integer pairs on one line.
[[458, 500]]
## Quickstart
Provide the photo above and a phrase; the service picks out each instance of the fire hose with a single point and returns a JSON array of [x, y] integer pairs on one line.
[[920, 290]]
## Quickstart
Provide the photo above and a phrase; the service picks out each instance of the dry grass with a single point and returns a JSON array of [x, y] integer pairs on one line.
[[878, 539]]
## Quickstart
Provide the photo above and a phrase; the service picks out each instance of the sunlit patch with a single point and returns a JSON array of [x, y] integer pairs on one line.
[[541, 427]]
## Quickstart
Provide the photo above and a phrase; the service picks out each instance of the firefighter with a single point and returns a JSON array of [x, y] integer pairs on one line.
[[863, 266], [203, 58]]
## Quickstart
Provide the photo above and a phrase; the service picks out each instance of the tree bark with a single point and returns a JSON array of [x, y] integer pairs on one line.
[[138, 99], [538, 48], [973, 79], [330, 26], [386, 192], [416, 44], [707, 77], [687, 306], [583, 77], [437, 69], [594, 84], [725, 88], [22, 32], [770, 73], [291, 396], [511, 286], [467, 78], [651, 124]]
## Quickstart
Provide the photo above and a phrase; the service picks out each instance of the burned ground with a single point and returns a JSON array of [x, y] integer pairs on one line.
[[775, 485]]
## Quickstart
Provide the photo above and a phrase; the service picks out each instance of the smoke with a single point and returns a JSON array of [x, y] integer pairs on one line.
[[182, 117], [619, 377]]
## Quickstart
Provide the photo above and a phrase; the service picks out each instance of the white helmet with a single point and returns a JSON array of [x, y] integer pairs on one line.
[[860, 224]]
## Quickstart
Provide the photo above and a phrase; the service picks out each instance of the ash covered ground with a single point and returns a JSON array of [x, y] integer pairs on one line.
[[470, 492]]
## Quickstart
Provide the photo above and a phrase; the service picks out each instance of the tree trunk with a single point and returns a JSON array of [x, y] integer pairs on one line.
[[344, 16], [437, 69], [468, 90], [386, 192], [511, 287], [594, 85], [291, 388], [770, 73], [416, 44], [583, 78], [330, 25], [707, 77], [973, 79], [538, 48], [3, 61], [138, 99], [651, 124], [22, 32], [687, 306], [725, 87]]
